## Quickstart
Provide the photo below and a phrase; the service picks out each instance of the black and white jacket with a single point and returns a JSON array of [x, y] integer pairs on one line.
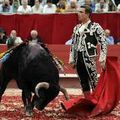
[[87, 40]]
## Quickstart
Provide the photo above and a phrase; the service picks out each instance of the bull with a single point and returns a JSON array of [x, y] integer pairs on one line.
[[36, 74]]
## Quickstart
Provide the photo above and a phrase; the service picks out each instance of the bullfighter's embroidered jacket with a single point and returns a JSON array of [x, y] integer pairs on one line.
[[87, 41]]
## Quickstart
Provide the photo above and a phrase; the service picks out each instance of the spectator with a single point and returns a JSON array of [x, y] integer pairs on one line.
[[24, 8], [44, 2], [109, 38], [81, 2], [91, 4], [5, 7], [11, 2], [31, 2], [37, 8], [49, 7], [3, 36], [1, 1], [61, 6], [15, 5], [101, 6], [13, 40], [72, 7], [35, 39], [111, 6], [118, 8]]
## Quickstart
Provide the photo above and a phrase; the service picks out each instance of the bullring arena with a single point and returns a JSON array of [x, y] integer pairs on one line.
[[55, 30]]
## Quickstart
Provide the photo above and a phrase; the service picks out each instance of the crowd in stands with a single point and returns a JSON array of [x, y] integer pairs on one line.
[[52, 6], [14, 40], [56, 6]]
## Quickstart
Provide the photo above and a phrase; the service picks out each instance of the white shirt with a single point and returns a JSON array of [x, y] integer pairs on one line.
[[81, 31], [81, 2], [39, 10], [10, 9], [105, 7], [18, 41], [118, 7], [22, 10], [47, 9]]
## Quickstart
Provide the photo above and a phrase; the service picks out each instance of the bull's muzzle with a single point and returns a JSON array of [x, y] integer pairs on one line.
[[41, 85]]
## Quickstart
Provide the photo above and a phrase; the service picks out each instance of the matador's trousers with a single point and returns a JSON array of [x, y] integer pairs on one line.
[[87, 72]]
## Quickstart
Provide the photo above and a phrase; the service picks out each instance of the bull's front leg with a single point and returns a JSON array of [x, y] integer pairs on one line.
[[26, 97], [3, 85], [2, 88]]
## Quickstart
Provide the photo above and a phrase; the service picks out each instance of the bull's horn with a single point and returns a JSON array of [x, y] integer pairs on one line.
[[41, 85], [64, 91]]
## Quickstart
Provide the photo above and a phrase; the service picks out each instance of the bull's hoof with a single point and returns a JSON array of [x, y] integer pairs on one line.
[[29, 113], [38, 106]]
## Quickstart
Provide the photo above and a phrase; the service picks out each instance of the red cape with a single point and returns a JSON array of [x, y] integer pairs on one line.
[[106, 95]]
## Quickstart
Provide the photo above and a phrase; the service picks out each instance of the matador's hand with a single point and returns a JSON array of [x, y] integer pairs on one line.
[[102, 64]]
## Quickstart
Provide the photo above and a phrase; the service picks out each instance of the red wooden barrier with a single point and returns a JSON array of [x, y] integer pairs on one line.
[[62, 52]]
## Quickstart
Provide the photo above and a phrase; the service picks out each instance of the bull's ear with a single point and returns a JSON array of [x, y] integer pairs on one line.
[[41, 85]]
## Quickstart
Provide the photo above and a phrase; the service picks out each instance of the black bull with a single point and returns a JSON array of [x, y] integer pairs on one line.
[[35, 72]]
